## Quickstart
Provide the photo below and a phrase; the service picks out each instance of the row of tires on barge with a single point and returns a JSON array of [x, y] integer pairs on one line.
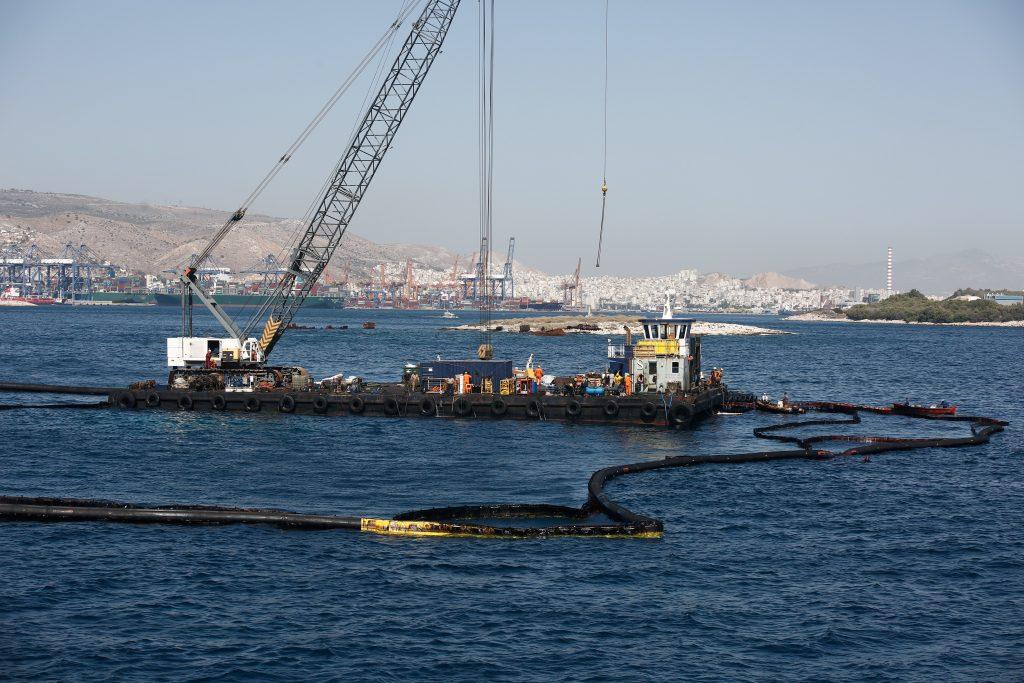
[[658, 409]]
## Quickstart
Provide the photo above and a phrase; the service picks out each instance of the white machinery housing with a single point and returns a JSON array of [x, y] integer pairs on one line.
[[190, 352]]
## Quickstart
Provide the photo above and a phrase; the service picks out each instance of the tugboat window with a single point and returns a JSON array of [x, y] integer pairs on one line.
[[652, 367], [675, 366]]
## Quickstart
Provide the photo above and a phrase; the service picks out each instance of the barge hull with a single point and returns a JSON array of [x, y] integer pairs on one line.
[[655, 410]]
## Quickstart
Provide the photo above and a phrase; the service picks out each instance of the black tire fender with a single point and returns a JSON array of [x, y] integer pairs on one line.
[[253, 405], [427, 406], [611, 409], [391, 406], [320, 404], [125, 399], [462, 406], [499, 407], [153, 399], [185, 402], [533, 408], [573, 408], [218, 402], [287, 404], [680, 415], [648, 411], [357, 405]]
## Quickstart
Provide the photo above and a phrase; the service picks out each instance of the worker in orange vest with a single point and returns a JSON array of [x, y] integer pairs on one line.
[[539, 374], [629, 384], [466, 378]]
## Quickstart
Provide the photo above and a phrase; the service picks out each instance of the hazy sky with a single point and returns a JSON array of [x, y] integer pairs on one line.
[[745, 136]]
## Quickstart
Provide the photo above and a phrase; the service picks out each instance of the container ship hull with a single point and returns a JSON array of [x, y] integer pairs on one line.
[[240, 300]]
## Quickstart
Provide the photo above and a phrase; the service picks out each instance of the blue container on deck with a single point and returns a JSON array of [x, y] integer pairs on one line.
[[494, 370], [595, 391]]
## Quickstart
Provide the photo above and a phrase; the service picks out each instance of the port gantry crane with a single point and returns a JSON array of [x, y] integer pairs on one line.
[[243, 353]]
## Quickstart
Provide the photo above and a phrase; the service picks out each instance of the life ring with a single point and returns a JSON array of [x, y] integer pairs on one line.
[[252, 405], [320, 404], [153, 399], [680, 415], [648, 411], [125, 399], [611, 409], [498, 407], [391, 406], [462, 406], [427, 406], [357, 405], [185, 402], [533, 408], [287, 404], [218, 402], [574, 408]]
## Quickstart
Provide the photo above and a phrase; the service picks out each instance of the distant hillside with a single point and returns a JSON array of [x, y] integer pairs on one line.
[[156, 238], [776, 281], [940, 274]]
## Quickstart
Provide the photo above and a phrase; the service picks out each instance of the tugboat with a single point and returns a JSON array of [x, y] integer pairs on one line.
[[667, 359]]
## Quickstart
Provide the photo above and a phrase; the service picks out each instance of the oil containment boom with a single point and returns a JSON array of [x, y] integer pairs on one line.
[[352, 178]]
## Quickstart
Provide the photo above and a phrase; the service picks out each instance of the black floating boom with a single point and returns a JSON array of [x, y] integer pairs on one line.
[[483, 520]]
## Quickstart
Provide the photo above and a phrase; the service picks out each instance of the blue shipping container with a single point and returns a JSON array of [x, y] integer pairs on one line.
[[495, 370]]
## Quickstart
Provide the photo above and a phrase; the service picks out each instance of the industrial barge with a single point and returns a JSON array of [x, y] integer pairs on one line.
[[656, 381]]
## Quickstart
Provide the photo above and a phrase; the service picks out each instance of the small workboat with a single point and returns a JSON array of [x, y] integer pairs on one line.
[[781, 407], [908, 408], [449, 315], [369, 326]]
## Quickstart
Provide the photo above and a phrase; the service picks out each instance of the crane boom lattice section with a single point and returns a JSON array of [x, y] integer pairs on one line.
[[371, 141]]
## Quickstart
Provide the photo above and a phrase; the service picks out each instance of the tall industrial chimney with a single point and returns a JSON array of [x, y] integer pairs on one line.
[[888, 273]]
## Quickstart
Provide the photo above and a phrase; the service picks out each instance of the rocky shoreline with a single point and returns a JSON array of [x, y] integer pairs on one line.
[[608, 325], [816, 316]]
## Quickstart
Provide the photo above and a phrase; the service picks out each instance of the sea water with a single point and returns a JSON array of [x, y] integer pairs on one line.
[[906, 567]]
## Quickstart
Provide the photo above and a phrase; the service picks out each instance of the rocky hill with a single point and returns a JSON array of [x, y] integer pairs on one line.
[[776, 281], [155, 238]]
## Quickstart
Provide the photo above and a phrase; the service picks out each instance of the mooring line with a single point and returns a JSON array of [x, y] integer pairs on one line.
[[478, 520]]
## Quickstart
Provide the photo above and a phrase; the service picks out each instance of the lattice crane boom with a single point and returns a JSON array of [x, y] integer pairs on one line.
[[372, 139]]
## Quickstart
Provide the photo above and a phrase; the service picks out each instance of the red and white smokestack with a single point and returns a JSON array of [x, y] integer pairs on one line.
[[888, 272]]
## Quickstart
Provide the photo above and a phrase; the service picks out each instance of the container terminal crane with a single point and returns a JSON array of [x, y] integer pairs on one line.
[[657, 380]]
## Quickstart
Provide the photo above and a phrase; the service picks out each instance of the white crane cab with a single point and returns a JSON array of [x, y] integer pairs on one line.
[[191, 352]]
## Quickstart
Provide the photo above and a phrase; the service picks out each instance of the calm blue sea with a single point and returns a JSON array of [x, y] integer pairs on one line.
[[907, 567]]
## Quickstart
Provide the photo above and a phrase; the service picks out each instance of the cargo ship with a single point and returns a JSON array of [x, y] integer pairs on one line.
[[255, 300]]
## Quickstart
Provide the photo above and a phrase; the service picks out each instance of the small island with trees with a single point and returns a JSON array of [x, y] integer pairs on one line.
[[961, 307]]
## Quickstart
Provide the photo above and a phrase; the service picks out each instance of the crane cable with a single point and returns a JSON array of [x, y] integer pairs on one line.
[[604, 167], [237, 216], [486, 141], [383, 54]]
